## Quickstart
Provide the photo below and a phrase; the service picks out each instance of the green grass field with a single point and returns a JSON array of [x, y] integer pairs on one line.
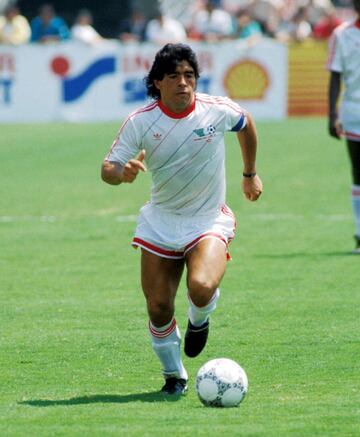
[[75, 354]]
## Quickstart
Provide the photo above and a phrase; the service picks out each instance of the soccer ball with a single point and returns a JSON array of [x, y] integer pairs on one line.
[[221, 383]]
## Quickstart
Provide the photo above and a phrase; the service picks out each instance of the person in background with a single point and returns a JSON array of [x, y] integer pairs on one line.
[[316, 9], [326, 24], [246, 27], [210, 23], [83, 30], [48, 27], [186, 224], [14, 28], [163, 29], [133, 28], [344, 66], [297, 29], [267, 14]]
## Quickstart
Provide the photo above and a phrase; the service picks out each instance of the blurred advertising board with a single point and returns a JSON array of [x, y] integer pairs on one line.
[[74, 82], [308, 79]]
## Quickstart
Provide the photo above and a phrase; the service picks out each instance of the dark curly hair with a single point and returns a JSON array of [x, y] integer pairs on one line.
[[165, 62]]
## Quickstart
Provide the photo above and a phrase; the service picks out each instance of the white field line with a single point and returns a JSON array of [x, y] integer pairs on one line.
[[133, 218], [28, 218], [126, 218], [294, 217], [52, 219]]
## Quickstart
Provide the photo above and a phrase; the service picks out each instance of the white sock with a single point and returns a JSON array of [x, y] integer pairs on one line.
[[199, 315], [355, 199], [166, 344]]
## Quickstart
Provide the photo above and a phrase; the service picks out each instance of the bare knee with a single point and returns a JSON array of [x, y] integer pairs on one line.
[[201, 289], [160, 312]]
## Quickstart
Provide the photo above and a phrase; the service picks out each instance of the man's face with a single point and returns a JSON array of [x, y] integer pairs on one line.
[[46, 14], [177, 88]]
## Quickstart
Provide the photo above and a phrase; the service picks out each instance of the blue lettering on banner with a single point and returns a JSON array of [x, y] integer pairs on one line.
[[134, 91], [203, 85], [5, 96], [74, 87]]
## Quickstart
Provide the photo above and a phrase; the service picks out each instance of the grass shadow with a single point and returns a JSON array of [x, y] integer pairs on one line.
[[103, 399]]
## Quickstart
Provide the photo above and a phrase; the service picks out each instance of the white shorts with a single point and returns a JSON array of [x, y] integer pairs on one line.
[[350, 119], [172, 236]]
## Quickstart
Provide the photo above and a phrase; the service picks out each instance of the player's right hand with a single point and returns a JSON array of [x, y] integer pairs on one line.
[[132, 168], [335, 129]]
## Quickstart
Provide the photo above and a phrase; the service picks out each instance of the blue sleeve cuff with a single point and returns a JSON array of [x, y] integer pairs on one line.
[[240, 124]]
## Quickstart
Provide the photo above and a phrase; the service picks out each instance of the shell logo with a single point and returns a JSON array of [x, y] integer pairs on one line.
[[246, 80]]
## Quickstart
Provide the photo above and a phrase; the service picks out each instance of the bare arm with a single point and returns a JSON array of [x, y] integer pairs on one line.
[[114, 174], [251, 184], [335, 128]]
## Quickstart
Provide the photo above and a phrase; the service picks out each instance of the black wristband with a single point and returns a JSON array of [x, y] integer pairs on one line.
[[249, 175]]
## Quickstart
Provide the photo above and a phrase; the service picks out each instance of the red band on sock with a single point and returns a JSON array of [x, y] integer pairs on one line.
[[162, 334]]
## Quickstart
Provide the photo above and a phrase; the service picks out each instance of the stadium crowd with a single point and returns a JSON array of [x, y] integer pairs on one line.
[[200, 20]]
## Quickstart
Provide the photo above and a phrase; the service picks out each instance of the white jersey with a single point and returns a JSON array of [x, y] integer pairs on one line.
[[185, 152], [344, 58]]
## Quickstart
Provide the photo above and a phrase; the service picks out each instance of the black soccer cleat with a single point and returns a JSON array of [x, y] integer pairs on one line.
[[195, 339], [175, 386]]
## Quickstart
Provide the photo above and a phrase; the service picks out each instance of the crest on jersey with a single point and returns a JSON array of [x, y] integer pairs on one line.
[[203, 132]]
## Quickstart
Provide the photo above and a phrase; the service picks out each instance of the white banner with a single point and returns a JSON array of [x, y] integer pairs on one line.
[[73, 82]]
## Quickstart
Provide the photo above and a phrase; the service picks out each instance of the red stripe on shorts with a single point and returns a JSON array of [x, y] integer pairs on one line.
[[352, 136], [206, 235], [157, 250]]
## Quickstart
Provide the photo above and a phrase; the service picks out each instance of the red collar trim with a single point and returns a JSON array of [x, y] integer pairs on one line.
[[172, 114], [357, 23]]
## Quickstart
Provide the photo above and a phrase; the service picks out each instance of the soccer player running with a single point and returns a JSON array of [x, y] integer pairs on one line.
[[344, 66], [186, 223]]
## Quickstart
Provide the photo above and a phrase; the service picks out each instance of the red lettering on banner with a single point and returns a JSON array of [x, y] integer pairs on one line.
[[205, 60], [7, 64], [136, 63]]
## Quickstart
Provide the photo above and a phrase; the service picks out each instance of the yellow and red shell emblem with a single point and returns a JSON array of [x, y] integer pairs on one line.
[[246, 80]]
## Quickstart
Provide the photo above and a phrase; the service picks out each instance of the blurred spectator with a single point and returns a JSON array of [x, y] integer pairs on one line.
[[133, 28], [316, 9], [297, 29], [267, 14], [83, 29], [163, 29], [288, 9], [246, 26], [180, 10], [326, 24], [48, 27], [211, 23], [343, 3], [14, 28], [233, 6]]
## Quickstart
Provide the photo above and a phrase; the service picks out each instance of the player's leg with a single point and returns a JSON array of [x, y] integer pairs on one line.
[[206, 264], [354, 154], [160, 279]]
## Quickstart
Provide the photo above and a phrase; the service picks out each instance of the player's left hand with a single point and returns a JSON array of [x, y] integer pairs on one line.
[[252, 188]]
